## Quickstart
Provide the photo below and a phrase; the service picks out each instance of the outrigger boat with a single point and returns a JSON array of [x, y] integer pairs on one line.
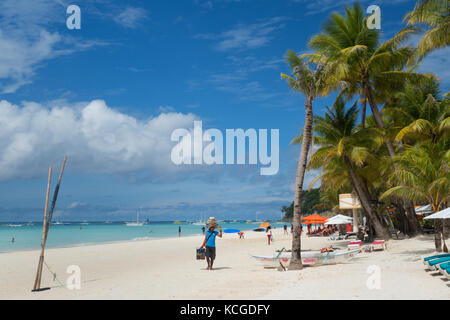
[[308, 258]]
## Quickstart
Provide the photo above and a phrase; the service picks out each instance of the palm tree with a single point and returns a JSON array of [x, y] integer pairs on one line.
[[432, 122], [436, 15], [343, 144], [423, 126], [313, 84], [365, 67], [423, 174]]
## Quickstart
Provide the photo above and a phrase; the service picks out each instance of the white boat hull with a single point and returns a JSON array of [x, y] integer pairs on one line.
[[308, 258], [134, 224]]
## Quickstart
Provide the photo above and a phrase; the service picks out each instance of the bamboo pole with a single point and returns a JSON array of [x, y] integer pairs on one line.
[[55, 196], [37, 282], [47, 221]]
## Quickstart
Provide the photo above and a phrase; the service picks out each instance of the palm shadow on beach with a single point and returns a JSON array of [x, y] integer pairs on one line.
[[420, 252]]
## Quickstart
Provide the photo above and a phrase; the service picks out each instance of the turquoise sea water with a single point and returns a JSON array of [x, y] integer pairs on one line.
[[28, 237]]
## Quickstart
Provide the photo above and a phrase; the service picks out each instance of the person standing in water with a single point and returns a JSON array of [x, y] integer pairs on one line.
[[12, 240], [210, 242], [179, 231], [203, 230]]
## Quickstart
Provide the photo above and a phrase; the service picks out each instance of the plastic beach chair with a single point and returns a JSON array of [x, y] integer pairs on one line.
[[444, 267], [354, 245], [437, 256], [378, 245], [447, 273], [433, 264]]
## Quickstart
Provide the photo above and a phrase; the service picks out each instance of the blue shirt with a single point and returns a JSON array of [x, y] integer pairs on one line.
[[211, 242]]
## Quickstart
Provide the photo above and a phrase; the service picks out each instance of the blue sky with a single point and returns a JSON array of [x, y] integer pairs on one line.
[[110, 94]]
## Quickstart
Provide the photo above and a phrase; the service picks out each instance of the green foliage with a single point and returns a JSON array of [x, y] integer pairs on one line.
[[310, 200]]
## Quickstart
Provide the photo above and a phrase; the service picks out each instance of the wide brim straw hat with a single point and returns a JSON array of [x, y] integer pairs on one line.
[[212, 222]]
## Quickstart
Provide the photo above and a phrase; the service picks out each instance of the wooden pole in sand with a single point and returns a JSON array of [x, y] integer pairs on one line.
[[55, 196], [37, 281], [47, 221]]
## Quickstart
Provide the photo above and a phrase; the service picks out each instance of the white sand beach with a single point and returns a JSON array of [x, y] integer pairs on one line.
[[167, 269]]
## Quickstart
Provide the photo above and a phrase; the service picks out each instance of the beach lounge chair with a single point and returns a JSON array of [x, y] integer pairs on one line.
[[444, 267], [437, 256], [433, 264], [337, 237], [378, 245], [447, 273], [354, 245]]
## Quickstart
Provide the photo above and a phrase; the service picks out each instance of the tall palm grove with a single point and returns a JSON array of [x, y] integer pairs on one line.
[[386, 136]]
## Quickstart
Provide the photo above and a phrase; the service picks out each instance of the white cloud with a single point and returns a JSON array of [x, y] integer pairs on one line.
[[26, 43], [319, 6], [246, 36], [131, 17], [95, 137], [19, 59], [435, 62]]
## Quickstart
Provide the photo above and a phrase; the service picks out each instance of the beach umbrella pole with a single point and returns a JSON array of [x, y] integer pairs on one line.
[[444, 248]]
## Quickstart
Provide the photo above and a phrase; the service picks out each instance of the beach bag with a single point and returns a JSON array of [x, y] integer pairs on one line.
[[201, 252]]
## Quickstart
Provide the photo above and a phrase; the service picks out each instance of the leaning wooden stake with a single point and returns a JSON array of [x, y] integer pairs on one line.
[[37, 281], [55, 196], [47, 221]]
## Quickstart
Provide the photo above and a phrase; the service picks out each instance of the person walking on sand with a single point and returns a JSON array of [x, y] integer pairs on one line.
[[203, 230], [269, 234], [285, 229], [210, 242], [179, 231]]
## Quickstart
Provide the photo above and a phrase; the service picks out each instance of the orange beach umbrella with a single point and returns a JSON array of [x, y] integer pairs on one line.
[[314, 218], [264, 225]]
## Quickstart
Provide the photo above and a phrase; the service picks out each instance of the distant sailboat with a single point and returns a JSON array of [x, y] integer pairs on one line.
[[135, 224], [200, 222]]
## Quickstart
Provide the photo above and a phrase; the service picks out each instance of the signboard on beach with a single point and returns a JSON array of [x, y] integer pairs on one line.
[[349, 201]]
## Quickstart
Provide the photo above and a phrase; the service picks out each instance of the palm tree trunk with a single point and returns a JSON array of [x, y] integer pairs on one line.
[[377, 117], [408, 205], [296, 260], [357, 185]]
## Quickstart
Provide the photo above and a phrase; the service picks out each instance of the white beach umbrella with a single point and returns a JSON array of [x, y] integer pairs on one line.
[[443, 214], [339, 219]]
